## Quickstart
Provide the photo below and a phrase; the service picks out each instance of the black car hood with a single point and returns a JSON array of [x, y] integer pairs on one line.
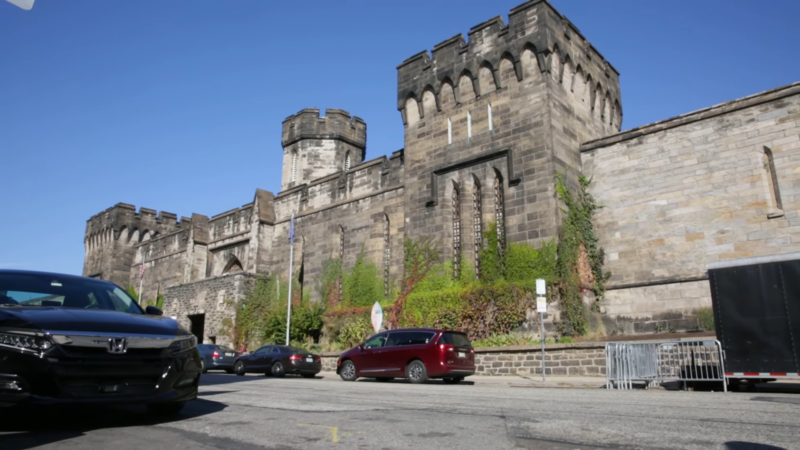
[[68, 319]]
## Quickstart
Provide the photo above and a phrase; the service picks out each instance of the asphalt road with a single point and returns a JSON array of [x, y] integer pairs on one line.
[[256, 412]]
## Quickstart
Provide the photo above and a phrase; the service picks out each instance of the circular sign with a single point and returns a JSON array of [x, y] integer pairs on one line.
[[377, 316]]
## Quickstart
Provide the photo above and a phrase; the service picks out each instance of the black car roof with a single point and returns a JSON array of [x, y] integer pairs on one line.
[[48, 274]]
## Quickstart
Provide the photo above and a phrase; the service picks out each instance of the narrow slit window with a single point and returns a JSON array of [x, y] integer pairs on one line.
[[469, 124], [449, 131], [456, 233], [772, 179], [489, 113], [387, 255], [294, 166], [347, 161], [477, 226]]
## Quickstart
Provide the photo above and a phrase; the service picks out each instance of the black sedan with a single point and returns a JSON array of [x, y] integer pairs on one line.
[[71, 339], [278, 360]]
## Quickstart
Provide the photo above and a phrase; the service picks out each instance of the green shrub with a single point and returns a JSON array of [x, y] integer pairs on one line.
[[363, 284], [705, 317], [354, 330]]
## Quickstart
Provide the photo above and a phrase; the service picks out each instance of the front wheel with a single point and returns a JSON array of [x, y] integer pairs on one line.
[[277, 370], [416, 372], [239, 368], [348, 371], [165, 409]]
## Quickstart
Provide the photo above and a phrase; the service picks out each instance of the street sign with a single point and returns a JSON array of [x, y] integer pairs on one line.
[[541, 305], [24, 4], [540, 287], [377, 316]]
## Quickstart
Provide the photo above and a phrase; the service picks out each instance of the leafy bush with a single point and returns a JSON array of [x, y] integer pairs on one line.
[[705, 317], [363, 284], [355, 330]]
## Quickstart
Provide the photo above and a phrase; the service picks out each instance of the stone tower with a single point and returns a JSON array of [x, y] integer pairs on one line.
[[113, 237], [493, 120], [315, 146]]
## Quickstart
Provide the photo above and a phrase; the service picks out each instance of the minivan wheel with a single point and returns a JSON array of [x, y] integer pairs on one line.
[[348, 371], [416, 372]]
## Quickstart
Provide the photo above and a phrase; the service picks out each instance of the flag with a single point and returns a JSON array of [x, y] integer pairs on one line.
[[291, 230]]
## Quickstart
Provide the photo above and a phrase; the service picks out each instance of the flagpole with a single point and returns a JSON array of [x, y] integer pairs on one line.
[[141, 274], [291, 269]]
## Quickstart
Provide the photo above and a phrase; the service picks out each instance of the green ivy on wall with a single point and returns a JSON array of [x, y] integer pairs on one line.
[[579, 262]]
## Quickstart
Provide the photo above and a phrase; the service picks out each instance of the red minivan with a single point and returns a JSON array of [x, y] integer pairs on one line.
[[414, 353]]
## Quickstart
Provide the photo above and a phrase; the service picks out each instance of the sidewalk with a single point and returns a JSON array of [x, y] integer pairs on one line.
[[521, 381]]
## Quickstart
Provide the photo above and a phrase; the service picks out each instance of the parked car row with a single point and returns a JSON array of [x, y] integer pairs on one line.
[[72, 339], [418, 354]]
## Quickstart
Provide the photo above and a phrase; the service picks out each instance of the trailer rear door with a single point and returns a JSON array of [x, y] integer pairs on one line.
[[757, 314]]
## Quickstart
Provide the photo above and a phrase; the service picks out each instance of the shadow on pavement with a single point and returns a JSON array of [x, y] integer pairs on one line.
[[405, 381], [738, 445], [32, 427]]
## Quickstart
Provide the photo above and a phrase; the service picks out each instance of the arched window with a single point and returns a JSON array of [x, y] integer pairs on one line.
[[456, 232], [499, 211], [294, 166], [477, 226], [347, 161], [387, 254]]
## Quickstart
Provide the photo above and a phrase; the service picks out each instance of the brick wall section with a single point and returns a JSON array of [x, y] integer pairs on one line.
[[692, 190], [207, 297], [585, 359]]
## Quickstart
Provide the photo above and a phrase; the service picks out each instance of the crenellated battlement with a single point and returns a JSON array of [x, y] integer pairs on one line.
[[553, 45], [124, 221], [337, 124]]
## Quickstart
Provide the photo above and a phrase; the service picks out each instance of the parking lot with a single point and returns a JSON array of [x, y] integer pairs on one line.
[[257, 412]]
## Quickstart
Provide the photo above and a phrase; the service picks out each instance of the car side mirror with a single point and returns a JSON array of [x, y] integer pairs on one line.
[[361, 346], [153, 311]]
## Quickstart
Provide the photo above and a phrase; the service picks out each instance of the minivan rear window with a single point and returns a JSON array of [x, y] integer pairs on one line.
[[459, 340]]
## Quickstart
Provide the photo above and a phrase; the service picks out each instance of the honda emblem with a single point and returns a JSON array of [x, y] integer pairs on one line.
[[117, 345]]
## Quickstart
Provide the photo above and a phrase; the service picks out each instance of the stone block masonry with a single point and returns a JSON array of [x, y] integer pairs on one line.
[[717, 184], [585, 359], [207, 298]]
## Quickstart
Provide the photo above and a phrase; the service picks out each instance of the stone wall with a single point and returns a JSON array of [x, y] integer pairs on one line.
[[207, 297], [337, 216], [717, 184], [560, 360]]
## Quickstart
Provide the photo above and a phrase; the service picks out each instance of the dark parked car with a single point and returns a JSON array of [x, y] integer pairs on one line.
[[414, 353], [278, 360], [71, 339], [217, 357]]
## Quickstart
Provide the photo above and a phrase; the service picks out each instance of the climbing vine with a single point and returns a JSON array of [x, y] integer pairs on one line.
[[579, 264]]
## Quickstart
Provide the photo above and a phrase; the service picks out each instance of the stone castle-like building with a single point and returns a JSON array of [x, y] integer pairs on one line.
[[488, 124]]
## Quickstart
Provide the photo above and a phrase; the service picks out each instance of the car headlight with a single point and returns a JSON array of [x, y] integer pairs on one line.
[[183, 344], [26, 343]]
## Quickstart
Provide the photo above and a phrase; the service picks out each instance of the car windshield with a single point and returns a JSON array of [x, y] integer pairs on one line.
[[46, 290]]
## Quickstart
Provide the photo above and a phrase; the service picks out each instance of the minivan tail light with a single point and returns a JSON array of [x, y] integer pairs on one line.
[[446, 347]]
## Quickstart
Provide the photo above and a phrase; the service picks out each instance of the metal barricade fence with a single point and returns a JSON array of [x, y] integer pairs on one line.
[[656, 362]]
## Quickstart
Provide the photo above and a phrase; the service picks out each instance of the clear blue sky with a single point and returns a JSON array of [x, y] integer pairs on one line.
[[177, 105]]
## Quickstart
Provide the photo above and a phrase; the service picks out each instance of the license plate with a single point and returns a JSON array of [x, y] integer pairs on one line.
[[309, 359], [462, 355], [231, 355]]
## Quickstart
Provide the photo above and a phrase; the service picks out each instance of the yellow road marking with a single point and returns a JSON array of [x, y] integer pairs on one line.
[[333, 430]]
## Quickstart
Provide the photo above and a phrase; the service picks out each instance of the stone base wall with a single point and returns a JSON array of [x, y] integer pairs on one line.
[[585, 359], [660, 308], [207, 297]]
